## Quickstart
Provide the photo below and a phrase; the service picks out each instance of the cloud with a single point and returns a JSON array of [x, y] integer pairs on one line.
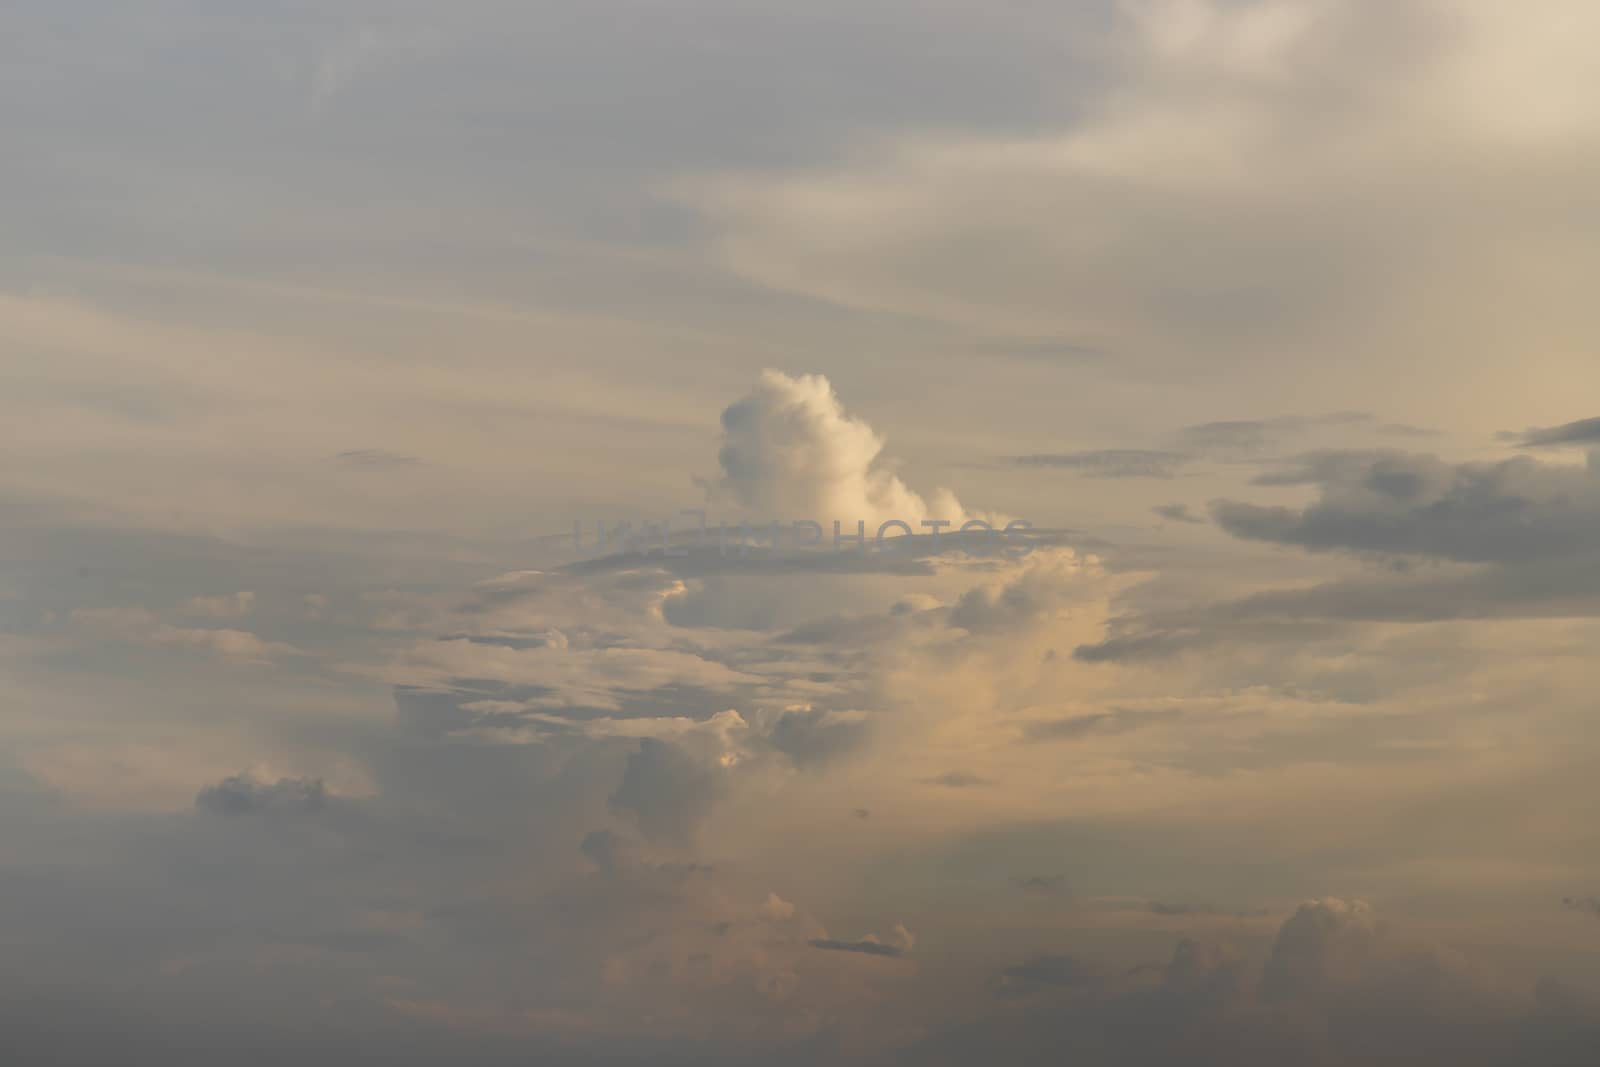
[[866, 947], [812, 737], [1410, 504], [1191, 216], [1110, 463], [1118, 721], [586, 793], [1337, 988], [1585, 905], [667, 790], [1049, 885], [958, 780], [1047, 587], [375, 459], [221, 607], [138, 626], [1186, 907], [1582, 432], [1136, 647], [1062, 971], [1178, 513], [777, 909], [1239, 440], [243, 794], [1249, 438], [902, 942], [1323, 943], [789, 452], [1562, 587], [580, 782]]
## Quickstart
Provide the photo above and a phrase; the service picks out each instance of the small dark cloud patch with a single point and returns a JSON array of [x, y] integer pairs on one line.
[[1582, 432], [1586, 905], [1109, 463], [512, 641], [1169, 907], [1337, 988], [813, 738], [1190, 907], [1116, 721], [436, 712], [1050, 349], [601, 848], [865, 947], [1177, 513], [1138, 647], [957, 780], [1402, 429], [375, 459], [1411, 505], [1245, 437], [666, 790], [1045, 885], [1058, 971], [243, 795]]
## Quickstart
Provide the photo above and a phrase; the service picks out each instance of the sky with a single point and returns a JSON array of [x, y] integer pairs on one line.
[[698, 532]]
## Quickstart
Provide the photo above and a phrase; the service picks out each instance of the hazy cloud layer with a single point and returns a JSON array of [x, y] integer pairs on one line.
[[324, 738]]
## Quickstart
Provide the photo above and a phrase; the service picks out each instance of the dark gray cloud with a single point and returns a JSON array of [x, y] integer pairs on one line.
[[1403, 429], [243, 795], [867, 948], [1157, 644], [1244, 435], [1586, 905], [1177, 513], [53, 1026], [1337, 989], [910, 557], [1238, 440], [1062, 971], [376, 459], [854, 631], [667, 790], [1116, 721], [1110, 463], [1252, 440], [1250, 437], [602, 848], [1582, 432], [813, 737], [1049, 885], [1567, 587], [1185, 907], [1406, 504], [957, 780], [1048, 349], [1025, 601]]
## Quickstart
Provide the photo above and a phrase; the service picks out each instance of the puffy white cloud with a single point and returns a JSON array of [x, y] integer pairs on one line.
[[791, 453]]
